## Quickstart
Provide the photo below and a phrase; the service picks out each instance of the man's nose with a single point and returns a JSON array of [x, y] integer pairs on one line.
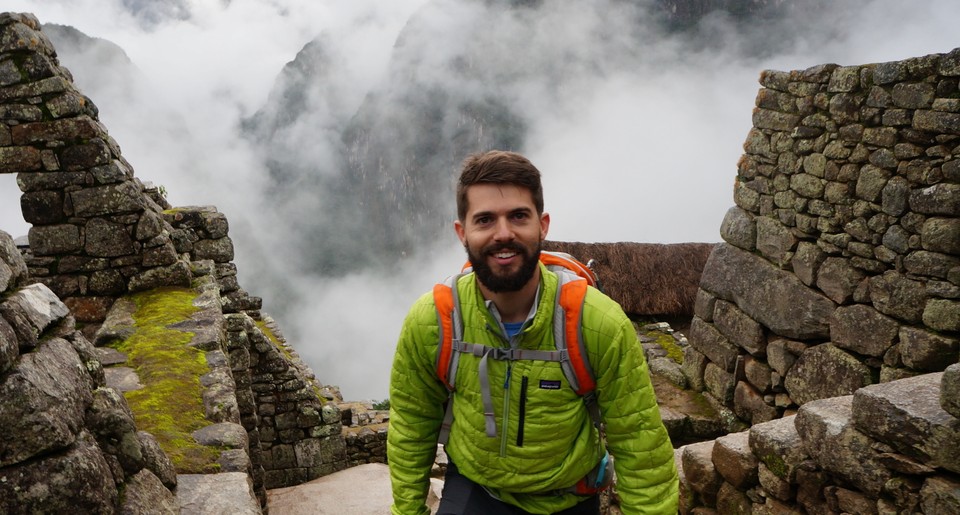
[[503, 231]]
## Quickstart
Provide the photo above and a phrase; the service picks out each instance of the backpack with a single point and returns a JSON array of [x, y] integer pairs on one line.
[[570, 351]]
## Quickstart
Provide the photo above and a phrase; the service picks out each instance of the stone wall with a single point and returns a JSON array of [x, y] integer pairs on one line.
[[69, 442], [98, 236], [841, 261], [293, 426], [826, 317], [283, 407], [889, 448], [94, 235]]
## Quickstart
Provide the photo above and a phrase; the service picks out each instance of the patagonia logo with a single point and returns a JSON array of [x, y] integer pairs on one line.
[[549, 385]]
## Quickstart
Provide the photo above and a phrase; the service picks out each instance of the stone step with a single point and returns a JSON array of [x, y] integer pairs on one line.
[[229, 492]]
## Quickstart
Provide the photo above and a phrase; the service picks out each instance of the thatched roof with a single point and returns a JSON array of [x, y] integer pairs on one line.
[[645, 278]]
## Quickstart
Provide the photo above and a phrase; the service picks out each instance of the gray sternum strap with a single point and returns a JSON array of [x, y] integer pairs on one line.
[[503, 354]]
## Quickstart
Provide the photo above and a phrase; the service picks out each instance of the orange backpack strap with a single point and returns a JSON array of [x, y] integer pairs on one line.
[[554, 259], [570, 300], [450, 326]]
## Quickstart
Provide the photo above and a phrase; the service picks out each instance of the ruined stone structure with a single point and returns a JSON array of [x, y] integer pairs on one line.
[[840, 273], [99, 239], [94, 235]]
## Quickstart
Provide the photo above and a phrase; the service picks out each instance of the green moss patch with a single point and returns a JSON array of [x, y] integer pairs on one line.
[[272, 337], [668, 343], [170, 406]]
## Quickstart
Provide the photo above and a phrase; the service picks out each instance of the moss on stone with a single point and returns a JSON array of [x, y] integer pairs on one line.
[[273, 339], [663, 339], [776, 465], [170, 405], [668, 343]]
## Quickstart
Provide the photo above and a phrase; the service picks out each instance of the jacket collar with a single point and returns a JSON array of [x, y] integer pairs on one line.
[[541, 324]]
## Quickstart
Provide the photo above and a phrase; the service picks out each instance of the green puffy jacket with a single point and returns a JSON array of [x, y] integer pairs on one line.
[[553, 444]]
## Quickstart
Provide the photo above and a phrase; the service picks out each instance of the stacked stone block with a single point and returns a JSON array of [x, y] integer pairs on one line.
[[366, 445], [69, 443], [892, 447], [364, 432], [200, 234], [95, 235], [298, 431], [840, 266]]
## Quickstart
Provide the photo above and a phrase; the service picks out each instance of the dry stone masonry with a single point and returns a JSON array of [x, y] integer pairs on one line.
[[99, 236], [94, 235], [829, 314]]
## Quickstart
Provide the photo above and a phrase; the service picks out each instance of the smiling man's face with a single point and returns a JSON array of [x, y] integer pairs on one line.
[[502, 233]]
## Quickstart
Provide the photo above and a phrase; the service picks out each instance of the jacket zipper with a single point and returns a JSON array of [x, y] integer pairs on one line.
[[505, 419], [523, 410], [505, 423]]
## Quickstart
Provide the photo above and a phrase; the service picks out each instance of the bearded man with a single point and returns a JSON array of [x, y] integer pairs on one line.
[[521, 439]]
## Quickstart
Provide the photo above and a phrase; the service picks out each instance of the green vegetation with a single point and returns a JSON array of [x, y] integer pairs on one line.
[[273, 338], [383, 405], [170, 406], [667, 342], [776, 465]]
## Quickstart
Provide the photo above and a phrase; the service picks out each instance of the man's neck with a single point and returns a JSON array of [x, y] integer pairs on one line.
[[514, 306]]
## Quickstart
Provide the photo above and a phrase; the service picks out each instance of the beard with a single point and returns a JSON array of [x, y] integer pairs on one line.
[[507, 282]]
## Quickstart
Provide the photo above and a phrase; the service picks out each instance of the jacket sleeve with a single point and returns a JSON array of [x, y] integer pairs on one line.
[[416, 410], [643, 454]]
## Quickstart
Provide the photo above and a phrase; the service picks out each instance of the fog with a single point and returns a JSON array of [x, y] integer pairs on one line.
[[637, 132]]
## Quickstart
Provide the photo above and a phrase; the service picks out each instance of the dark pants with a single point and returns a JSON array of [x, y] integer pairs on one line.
[[464, 497]]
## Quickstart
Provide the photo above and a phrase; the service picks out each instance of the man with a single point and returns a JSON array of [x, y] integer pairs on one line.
[[540, 440]]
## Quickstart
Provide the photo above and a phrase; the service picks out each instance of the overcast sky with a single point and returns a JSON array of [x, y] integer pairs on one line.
[[643, 153]]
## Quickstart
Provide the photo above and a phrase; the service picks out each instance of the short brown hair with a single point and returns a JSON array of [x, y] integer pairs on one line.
[[498, 167]]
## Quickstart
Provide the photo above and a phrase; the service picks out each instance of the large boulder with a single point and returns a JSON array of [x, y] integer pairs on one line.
[[44, 400]]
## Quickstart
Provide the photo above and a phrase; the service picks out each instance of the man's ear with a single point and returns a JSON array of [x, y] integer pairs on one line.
[[461, 233], [544, 225]]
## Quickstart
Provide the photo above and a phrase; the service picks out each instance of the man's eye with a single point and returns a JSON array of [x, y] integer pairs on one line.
[[521, 216], [483, 220]]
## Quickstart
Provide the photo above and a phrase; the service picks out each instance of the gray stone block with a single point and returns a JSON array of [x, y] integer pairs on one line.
[[907, 415], [950, 390], [824, 371], [739, 328], [44, 400], [734, 461], [829, 436], [778, 446], [927, 351], [228, 492], [705, 338], [862, 329], [773, 297], [32, 310], [940, 494], [84, 482], [699, 471], [145, 493]]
